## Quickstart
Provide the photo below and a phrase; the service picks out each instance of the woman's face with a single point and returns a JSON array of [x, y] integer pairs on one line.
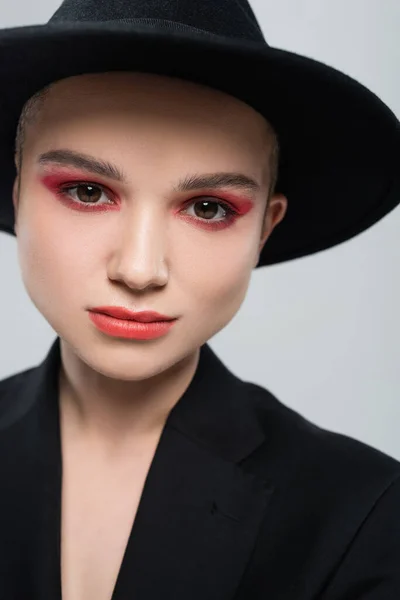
[[143, 243]]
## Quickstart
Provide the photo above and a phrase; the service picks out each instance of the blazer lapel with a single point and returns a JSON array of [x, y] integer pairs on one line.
[[200, 510], [195, 527]]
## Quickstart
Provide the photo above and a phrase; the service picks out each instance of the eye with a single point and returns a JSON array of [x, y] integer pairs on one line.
[[203, 209], [206, 210], [86, 193]]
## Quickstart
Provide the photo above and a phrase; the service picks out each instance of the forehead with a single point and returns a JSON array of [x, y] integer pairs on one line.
[[157, 113], [133, 93]]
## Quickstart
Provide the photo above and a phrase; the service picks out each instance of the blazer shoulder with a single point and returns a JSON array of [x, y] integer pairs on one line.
[[302, 445], [17, 393], [14, 381]]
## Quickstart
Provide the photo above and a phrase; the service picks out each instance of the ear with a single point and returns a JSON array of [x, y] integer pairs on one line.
[[274, 215], [15, 200]]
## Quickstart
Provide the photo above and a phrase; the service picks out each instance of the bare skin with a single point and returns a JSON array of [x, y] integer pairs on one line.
[[115, 395], [100, 498]]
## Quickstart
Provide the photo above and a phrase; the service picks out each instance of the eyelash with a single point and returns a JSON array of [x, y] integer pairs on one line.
[[230, 213]]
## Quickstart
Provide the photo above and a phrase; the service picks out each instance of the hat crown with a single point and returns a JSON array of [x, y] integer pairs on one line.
[[233, 19]]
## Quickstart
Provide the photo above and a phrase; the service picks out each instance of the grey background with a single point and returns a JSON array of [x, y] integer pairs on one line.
[[323, 332]]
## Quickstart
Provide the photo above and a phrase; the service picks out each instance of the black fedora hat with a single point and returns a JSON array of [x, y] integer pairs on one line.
[[340, 144]]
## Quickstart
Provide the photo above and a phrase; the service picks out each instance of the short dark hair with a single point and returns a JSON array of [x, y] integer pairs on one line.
[[29, 114], [32, 109]]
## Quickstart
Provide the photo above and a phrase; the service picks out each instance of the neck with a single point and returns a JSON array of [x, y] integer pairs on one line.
[[114, 412]]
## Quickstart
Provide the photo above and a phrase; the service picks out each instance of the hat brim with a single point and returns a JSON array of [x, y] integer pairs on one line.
[[340, 144]]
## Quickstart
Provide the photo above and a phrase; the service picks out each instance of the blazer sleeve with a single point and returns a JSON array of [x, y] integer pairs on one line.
[[370, 568]]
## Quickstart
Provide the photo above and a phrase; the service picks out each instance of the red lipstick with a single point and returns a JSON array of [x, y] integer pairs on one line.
[[119, 312], [121, 322]]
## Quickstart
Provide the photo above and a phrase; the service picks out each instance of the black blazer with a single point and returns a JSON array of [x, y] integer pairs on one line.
[[245, 500]]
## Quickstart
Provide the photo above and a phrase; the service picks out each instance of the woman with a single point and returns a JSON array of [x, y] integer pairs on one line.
[[149, 178]]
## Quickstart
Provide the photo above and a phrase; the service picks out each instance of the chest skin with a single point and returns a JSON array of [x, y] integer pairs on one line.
[[100, 498]]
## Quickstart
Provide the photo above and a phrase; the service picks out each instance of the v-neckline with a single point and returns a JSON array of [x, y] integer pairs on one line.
[[59, 496], [200, 508]]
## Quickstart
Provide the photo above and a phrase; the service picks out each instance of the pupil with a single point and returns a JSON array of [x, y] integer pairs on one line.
[[210, 212], [91, 194]]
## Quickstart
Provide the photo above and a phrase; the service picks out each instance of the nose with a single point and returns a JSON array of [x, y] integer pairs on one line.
[[139, 252]]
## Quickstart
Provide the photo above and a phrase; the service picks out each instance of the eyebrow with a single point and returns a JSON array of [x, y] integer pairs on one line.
[[106, 169]]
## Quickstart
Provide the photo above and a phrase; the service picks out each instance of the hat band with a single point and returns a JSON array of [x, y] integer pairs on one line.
[[167, 25]]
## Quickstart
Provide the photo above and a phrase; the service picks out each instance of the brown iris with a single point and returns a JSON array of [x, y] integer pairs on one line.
[[91, 196]]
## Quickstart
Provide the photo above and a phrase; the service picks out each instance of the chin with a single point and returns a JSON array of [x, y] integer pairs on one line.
[[125, 360]]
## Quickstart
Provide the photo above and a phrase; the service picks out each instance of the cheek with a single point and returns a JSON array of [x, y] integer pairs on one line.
[[216, 275], [220, 286], [52, 260]]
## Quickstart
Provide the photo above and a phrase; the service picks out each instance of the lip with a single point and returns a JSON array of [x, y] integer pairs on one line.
[[119, 312], [128, 328]]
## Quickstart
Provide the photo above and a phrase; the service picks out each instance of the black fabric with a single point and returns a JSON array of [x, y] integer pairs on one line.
[[245, 500], [340, 144]]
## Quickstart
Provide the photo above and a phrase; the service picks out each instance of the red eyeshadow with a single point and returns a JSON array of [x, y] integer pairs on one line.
[[241, 204], [56, 181]]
